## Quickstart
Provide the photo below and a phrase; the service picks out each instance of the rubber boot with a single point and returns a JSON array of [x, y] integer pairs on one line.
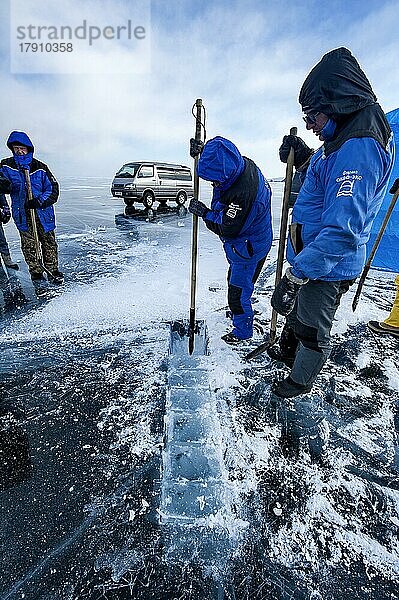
[[308, 364]]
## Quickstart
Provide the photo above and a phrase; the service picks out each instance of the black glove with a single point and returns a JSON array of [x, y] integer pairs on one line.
[[284, 296], [196, 147], [34, 203], [5, 185], [5, 216], [47, 203], [197, 208], [301, 150]]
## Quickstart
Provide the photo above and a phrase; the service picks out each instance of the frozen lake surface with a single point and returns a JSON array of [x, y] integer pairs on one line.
[[85, 383]]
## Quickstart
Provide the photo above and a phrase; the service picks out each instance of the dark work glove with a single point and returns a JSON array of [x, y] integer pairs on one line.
[[5, 215], [197, 208], [196, 147], [34, 203], [47, 203], [301, 150], [5, 185], [284, 296]]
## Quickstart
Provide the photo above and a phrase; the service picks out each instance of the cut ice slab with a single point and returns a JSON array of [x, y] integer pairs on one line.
[[194, 463], [179, 337], [189, 427], [188, 378], [186, 399], [190, 501]]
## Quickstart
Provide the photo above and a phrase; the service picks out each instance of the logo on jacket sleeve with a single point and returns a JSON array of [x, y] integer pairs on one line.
[[232, 210], [347, 181]]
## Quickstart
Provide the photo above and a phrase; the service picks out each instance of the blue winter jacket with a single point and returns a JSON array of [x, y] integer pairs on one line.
[[45, 189], [240, 210], [347, 178], [336, 206]]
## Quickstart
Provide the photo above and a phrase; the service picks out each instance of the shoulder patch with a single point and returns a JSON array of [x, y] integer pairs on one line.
[[347, 182]]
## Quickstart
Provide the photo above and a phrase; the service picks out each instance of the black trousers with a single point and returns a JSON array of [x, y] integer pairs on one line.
[[307, 332]]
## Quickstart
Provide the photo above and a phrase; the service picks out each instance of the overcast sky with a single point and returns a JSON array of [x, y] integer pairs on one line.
[[246, 59]]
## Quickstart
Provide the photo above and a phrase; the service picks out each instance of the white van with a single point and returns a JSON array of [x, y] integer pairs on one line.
[[146, 182]]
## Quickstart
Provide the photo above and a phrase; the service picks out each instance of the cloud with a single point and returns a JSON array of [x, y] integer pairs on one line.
[[245, 59]]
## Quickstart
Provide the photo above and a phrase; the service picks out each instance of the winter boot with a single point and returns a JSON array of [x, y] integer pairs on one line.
[[383, 328], [37, 277], [277, 354], [56, 277], [288, 388], [8, 262], [286, 350], [231, 338]]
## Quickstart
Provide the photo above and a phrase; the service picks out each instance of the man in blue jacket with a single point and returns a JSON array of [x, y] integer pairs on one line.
[[342, 192], [45, 193], [240, 215]]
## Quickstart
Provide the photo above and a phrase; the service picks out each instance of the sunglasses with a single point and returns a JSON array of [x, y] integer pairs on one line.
[[310, 119]]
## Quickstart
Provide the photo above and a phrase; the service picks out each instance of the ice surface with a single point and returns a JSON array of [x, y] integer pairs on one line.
[[189, 427], [93, 403]]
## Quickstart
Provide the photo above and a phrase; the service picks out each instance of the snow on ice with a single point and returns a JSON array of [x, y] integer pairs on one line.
[[84, 388]]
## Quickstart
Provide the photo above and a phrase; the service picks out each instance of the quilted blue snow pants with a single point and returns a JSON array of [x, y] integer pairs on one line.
[[241, 279]]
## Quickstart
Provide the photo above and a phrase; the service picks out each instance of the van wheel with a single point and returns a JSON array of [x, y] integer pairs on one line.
[[181, 198], [148, 199]]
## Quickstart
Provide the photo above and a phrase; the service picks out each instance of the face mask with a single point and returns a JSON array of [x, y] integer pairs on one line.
[[23, 160], [328, 130]]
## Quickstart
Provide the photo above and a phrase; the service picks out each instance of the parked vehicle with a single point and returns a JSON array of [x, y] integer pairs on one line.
[[146, 182]]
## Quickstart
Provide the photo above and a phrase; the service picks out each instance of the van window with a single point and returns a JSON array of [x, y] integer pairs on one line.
[[183, 175], [166, 173], [146, 171], [128, 170]]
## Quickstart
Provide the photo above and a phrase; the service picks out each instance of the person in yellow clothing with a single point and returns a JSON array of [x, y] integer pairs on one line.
[[391, 325]]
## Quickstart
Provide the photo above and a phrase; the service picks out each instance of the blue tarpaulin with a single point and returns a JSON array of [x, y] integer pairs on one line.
[[387, 255]]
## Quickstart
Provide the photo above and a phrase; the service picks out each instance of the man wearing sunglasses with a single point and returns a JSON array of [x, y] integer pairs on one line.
[[344, 184]]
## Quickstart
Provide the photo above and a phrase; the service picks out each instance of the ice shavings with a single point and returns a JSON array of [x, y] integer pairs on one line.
[[373, 434], [392, 373]]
